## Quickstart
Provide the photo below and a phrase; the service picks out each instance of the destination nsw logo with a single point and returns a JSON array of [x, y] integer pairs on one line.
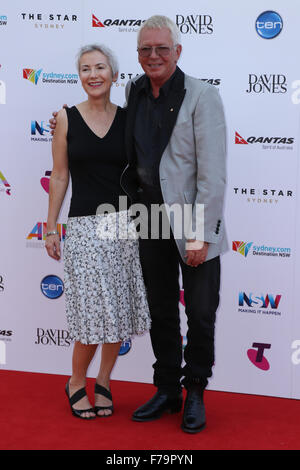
[[268, 143], [33, 76], [259, 304], [246, 248]]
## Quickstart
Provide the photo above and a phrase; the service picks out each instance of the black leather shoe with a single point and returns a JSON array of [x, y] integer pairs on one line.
[[194, 411], [160, 403]]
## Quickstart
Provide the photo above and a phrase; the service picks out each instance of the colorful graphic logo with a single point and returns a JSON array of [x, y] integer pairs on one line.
[[260, 301], [125, 347], [40, 229], [46, 181], [241, 247], [52, 287], [6, 184], [268, 24], [32, 75], [256, 356]]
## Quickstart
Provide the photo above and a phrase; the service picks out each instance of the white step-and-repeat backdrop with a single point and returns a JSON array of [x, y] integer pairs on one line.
[[246, 50]]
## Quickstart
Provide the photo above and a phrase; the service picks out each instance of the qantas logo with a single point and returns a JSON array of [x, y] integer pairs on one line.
[[239, 139], [96, 23], [263, 140], [131, 23]]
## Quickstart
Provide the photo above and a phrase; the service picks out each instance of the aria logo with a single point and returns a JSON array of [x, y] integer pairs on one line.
[[40, 229], [194, 24], [256, 356]]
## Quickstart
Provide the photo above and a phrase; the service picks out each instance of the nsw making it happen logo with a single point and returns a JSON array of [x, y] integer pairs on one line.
[[268, 24]]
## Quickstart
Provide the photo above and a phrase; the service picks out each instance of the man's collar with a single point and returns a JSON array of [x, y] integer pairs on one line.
[[175, 82]]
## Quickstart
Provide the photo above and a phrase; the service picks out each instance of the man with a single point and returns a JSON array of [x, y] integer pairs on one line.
[[175, 142]]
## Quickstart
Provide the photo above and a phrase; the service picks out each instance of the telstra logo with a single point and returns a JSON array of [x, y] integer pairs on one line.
[[256, 356]]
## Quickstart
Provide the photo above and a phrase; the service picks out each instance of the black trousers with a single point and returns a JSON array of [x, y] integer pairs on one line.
[[160, 262]]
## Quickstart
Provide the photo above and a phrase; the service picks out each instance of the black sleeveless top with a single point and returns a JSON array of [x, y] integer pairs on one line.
[[95, 163]]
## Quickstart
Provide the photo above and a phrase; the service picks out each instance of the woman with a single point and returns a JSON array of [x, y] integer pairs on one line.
[[105, 294]]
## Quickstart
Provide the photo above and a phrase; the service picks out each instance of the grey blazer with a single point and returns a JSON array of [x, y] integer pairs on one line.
[[193, 164]]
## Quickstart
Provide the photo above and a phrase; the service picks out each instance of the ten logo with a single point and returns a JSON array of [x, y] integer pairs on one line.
[[268, 25], [52, 287], [257, 356], [125, 347]]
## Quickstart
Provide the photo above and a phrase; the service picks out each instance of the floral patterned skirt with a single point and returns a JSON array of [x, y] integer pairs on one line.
[[104, 287]]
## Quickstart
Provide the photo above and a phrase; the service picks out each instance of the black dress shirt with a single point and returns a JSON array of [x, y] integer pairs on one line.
[[151, 139]]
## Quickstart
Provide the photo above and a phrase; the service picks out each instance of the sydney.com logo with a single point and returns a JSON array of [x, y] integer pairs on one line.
[[246, 248], [49, 77]]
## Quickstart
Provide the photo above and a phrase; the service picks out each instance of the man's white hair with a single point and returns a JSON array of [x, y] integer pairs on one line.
[[159, 22]]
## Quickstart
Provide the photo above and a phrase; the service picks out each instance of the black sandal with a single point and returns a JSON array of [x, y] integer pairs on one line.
[[74, 399], [107, 394]]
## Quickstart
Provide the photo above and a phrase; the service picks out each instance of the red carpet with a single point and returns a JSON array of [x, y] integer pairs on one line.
[[35, 415]]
